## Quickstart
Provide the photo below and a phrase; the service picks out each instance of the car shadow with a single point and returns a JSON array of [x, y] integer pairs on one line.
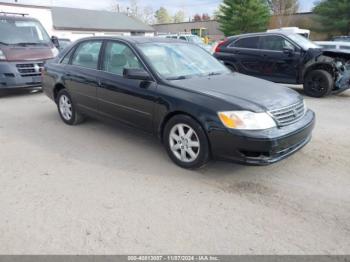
[[119, 146], [18, 92]]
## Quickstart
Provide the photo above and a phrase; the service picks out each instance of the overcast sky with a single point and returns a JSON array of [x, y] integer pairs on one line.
[[190, 6]]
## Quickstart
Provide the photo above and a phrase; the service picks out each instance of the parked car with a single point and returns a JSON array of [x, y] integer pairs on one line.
[[330, 45], [63, 43], [24, 47], [287, 58], [196, 106], [194, 39], [343, 38]]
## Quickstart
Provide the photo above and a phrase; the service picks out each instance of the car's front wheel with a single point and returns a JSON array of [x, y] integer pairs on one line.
[[318, 83], [186, 142], [67, 109]]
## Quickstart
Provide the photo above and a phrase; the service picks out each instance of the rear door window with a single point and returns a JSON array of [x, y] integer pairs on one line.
[[87, 54], [247, 42]]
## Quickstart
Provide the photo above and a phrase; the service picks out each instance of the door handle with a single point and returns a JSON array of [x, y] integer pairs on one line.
[[99, 83]]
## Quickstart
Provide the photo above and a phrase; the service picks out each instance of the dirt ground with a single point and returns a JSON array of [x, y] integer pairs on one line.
[[102, 189]]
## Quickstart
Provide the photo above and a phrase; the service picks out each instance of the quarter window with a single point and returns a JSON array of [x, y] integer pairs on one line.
[[118, 56], [248, 42], [87, 54], [275, 43]]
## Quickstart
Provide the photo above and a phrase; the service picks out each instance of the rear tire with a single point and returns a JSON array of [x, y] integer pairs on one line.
[[318, 83], [186, 142], [67, 109]]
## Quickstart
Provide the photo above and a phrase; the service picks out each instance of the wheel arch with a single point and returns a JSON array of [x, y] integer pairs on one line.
[[58, 87], [329, 67], [172, 114]]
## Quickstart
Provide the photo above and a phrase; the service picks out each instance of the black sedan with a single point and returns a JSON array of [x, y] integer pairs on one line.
[[179, 92]]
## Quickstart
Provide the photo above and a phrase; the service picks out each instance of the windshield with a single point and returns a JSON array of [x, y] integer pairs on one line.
[[179, 61], [22, 32], [303, 42]]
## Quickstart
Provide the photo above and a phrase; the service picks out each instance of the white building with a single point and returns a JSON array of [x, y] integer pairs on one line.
[[74, 23]]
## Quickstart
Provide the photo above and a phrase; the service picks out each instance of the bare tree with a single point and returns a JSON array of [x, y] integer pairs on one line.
[[283, 9], [115, 6], [148, 15], [179, 16]]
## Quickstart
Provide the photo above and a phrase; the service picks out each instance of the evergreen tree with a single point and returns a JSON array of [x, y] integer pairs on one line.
[[243, 16], [334, 16]]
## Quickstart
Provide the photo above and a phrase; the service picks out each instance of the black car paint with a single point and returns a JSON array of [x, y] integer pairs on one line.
[[286, 66], [149, 104]]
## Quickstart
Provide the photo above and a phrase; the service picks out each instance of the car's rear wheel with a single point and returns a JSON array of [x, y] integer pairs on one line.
[[67, 109], [318, 83], [186, 142]]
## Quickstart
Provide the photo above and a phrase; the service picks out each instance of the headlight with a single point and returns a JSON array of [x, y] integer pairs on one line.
[[55, 51], [246, 120], [2, 55]]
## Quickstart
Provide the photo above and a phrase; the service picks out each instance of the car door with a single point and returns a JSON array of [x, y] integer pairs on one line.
[[81, 75], [245, 55], [127, 100], [279, 60]]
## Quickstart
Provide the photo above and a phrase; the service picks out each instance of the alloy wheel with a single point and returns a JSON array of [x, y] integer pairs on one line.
[[65, 106], [184, 143]]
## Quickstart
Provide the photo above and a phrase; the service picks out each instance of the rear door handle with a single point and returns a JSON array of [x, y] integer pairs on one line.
[[100, 83]]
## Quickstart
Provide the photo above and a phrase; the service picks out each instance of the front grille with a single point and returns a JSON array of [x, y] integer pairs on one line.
[[31, 69], [289, 115]]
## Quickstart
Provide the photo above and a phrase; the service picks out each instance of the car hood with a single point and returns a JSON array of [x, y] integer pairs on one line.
[[23, 53], [246, 92]]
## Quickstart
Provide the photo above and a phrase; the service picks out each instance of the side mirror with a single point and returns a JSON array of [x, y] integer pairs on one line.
[[288, 51], [136, 74], [54, 40]]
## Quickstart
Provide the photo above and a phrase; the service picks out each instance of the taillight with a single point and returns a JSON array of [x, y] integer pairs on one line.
[[220, 45]]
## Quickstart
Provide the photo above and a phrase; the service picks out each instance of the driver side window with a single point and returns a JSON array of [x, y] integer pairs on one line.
[[118, 56], [275, 43]]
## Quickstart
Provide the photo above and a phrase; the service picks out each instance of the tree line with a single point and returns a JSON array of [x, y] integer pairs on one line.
[[246, 16]]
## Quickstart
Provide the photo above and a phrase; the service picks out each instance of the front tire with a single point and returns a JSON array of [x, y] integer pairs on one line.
[[67, 109], [186, 142], [318, 83]]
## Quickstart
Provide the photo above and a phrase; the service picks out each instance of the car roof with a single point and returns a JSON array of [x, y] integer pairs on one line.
[[16, 17], [136, 39], [283, 33]]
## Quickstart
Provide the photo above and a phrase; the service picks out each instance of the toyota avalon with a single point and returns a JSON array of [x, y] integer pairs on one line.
[[177, 91]]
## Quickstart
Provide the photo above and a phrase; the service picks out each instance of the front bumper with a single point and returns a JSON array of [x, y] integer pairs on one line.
[[20, 74], [262, 147]]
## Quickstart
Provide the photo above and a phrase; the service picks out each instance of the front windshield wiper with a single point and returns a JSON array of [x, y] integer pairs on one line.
[[177, 77], [214, 74]]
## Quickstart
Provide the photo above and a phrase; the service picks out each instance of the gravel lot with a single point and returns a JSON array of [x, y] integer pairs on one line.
[[103, 189]]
